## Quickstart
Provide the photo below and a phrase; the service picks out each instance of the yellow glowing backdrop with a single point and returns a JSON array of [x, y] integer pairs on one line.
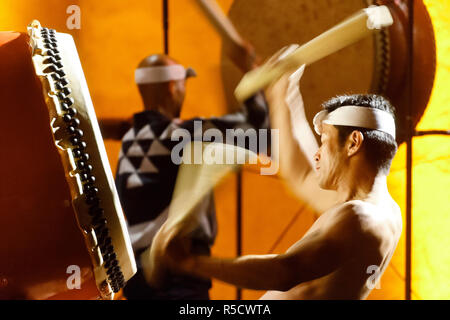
[[115, 35]]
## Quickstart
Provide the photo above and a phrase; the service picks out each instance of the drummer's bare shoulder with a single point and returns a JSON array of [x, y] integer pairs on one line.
[[346, 230], [366, 221], [355, 218], [353, 233]]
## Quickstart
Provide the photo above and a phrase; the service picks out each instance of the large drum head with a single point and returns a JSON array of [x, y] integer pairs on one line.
[[376, 64], [270, 24]]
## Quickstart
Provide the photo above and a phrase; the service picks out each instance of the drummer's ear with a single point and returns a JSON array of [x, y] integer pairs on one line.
[[354, 142]]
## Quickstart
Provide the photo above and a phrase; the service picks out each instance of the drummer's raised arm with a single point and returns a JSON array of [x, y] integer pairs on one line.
[[297, 144]]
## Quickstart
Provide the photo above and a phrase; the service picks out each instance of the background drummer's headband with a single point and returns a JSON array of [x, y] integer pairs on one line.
[[159, 74], [356, 116]]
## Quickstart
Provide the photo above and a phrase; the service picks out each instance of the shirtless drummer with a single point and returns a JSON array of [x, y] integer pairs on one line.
[[359, 230]]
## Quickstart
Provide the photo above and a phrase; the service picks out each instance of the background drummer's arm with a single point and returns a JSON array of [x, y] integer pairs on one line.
[[240, 52], [297, 144], [114, 128], [243, 56]]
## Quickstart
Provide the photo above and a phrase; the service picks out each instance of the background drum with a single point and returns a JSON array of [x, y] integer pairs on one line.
[[377, 64]]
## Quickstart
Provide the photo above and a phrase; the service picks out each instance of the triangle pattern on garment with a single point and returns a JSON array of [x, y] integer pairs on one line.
[[145, 133], [157, 149], [167, 133], [129, 136], [126, 166], [135, 150], [145, 144], [134, 181], [147, 166]]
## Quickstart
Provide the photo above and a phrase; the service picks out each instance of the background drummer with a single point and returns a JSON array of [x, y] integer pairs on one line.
[[146, 174]]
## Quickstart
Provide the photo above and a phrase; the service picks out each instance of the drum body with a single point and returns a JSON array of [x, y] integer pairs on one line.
[[376, 64], [48, 249], [39, 238]]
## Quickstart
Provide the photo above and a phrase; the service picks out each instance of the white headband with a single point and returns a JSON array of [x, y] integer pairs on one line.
[[356, 116], [162, 74]]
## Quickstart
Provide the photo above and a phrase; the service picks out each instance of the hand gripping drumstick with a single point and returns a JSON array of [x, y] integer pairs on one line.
[[349, 31]]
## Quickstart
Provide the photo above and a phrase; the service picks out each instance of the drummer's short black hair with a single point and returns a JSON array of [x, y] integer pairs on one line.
[[380, 147]]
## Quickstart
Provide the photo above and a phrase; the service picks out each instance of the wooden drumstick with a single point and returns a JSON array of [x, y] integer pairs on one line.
[[194, 182], [240, 52], [349, 31], [221, 22]]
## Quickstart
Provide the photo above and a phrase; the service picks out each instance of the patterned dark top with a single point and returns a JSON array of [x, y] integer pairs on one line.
[[146, 175]]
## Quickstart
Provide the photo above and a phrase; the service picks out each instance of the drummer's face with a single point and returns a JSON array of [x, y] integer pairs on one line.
[[329, 161]]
